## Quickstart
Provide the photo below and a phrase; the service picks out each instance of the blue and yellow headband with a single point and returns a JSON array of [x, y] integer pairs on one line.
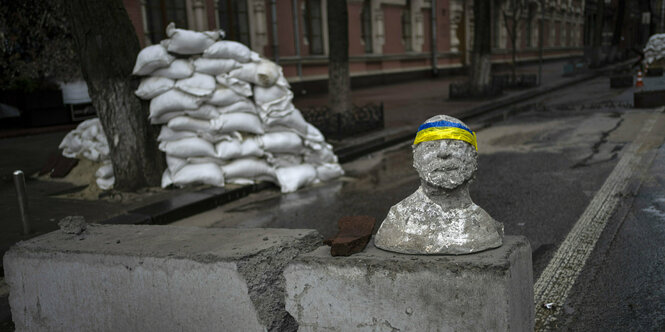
[[445, 130]]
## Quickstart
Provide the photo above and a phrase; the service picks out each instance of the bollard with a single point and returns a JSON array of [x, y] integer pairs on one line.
[[19, 182]]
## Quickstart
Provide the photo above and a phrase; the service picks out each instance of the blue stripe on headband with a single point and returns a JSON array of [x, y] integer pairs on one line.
[[443, 124]]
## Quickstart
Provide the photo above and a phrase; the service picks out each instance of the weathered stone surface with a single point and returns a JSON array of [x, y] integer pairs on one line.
[[377, 290], [154, 278], [440, 217], [72, 225], [353, 235]]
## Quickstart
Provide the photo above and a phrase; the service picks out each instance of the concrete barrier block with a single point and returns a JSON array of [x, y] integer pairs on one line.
[[377, 290], [154, 278]]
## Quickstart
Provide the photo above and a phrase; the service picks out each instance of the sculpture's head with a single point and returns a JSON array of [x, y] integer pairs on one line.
[[444, 152]]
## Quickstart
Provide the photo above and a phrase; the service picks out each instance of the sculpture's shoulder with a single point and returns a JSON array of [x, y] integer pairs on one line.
[[416, 203]]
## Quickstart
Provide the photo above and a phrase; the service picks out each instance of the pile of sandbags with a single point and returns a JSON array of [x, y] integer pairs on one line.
[[227, 115], [88, 141], [655, 48]]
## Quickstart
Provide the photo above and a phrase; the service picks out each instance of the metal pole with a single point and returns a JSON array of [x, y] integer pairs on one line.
[[296, 37], [275, 41], [435, 69], [541, 41], [19, 183]]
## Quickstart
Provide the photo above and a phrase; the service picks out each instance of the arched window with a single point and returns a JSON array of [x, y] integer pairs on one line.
[[234, 20], [366, 25], [162, 12]]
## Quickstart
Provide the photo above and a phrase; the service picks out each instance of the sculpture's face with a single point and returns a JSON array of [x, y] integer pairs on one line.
[[445, 163]]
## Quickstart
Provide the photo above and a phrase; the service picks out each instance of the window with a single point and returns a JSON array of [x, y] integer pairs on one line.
[[162, 12], [406, 26], [313, 26], [233, 19], [366, 25]]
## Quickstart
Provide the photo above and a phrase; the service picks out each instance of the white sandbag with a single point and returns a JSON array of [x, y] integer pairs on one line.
[[151, 58], [274, 98], [215, 66], [327, 172], [320, 154], [167, 134], [174, 164], [233, 149], [188, 147], [284, 159], [215, 137], [166, 117], [185, 123], [293, 121], [248, 168], [295, 177], [186, 41], [243, 106], [166, 179], [251, 148], [153, 86], [91, 132], [171, 101], [264, 73], [91, 154], [178, 69], [71, 144], [228, 149], [314, 134], [200, 85], [226, 49], [282, 142], [254, 57], [105, 171], [208, 173], [206, 160], [240, 87], [243, 122], [105, 183], [223, 96], [206, 112]]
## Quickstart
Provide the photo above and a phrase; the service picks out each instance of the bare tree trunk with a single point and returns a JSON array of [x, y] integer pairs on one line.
[[339, 83], [618, 30], [107, 46], [598, 35], [516, 9], [480, 55]]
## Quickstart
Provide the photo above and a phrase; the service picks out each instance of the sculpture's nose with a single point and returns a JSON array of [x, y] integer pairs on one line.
[[443, 154]]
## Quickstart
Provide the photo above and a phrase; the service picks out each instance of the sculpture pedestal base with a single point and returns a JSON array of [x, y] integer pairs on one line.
[[375, 289]]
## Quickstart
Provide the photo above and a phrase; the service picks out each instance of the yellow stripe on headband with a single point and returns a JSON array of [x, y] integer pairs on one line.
[[437, 133]]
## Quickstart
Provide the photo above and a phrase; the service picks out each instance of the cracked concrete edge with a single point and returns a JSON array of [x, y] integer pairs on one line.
[[266, 286]]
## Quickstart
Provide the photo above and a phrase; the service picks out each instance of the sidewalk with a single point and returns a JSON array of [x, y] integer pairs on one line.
[[411, 103], [406, 105]]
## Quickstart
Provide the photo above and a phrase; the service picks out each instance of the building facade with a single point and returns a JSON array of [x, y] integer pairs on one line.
[[385, 36]]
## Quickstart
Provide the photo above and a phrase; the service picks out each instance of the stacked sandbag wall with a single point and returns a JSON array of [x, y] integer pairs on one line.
[[227, 115], [89, 142], [654, 50]]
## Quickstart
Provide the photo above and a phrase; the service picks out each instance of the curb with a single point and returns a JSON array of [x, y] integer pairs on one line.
[[188, 204]]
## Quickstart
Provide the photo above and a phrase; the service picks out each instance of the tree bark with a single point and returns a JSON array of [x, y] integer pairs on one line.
[[480, 55], [598, 35], [618, 30], [339, 82], [107, 47]]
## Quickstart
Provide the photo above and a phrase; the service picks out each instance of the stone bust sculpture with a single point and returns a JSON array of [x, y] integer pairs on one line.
[[440, 218]]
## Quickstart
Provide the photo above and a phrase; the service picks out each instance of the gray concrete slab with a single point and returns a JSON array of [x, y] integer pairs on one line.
[[153, 278], [378, 290]]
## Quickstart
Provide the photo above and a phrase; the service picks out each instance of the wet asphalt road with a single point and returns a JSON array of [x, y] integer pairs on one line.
[[538, 171]]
